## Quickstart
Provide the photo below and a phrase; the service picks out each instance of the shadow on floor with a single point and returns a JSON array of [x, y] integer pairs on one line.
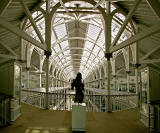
[[78, 132], [50, 130]]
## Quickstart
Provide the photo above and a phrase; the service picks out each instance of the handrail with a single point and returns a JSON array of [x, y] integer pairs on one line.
[[74, 94], [94, 102]]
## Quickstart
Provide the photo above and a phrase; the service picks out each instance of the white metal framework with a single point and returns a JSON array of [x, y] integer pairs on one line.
[[101, 39]]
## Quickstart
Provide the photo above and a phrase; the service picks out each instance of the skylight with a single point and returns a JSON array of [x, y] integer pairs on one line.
[[89, 28]]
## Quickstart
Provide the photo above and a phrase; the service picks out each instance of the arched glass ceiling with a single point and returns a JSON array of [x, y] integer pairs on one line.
[[78, 37]]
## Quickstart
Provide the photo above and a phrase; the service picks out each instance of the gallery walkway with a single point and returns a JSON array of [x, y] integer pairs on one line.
[[36, 120]]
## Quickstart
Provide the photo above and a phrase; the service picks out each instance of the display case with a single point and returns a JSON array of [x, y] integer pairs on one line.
[[10, 78], [4, 110], [154, 117], [149, 93]]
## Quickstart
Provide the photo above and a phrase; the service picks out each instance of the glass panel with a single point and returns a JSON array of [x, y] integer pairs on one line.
[[67, 52], [61, 55], [17, 85], [84, 59], [93, 32], [92, 57], [101, 39], [86, 53], [96, 50], [57, 48], [144, 75], [120, 16], [64, 44], [96, 60], [88, 45], [60, 31], [101, 54]]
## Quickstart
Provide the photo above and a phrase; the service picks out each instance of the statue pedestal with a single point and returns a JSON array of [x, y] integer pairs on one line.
[[78, 117]]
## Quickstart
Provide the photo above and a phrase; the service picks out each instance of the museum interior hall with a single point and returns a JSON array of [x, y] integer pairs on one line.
[[70, 66]]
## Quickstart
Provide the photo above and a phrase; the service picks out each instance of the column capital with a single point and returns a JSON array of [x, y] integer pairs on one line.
[[47, 53], [27, 68], [108, 55], [128, 72], [136, 65], [22, 61]]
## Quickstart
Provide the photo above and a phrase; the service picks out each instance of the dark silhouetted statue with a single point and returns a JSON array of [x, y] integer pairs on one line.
[[77, 83]]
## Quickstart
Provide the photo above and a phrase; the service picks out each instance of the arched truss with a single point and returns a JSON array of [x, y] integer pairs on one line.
[[102, 67], [98, 69], [65, 49], [82, 61], [70, 60], [72, 70], [95, 74], [61, 51], [68, 1], [84, 49], [70, 65], [65, 1], [82, 21], [93, 3], [77, 38]]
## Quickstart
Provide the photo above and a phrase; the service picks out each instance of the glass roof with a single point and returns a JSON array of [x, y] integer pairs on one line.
[[89, 51]]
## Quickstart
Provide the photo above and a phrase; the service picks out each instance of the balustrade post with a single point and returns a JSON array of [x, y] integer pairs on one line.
[[28, 77], [40, 80]]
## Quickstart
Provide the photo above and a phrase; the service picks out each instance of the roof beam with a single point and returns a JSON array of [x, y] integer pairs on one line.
[[155, 6], [78, 62], [150, 61], [84, 12], [62, 4], [70, 65], [150, 53], [94, 47], [9, 56], [98, 4], [3, 5], [75, 48], [77, 38], [141, 53], [128, 18], [144, 34], [18, 32], [79, 8], [74, 55], [29, 15], [8, 48]]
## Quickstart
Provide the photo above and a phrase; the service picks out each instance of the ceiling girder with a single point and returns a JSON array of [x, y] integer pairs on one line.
[[3, 5], [32, 21], [144, 34], [128, 18], [20, 33], [155, 6]]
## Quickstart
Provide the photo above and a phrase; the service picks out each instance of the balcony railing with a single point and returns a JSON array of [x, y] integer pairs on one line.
[[58, 100], [4, 112]]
